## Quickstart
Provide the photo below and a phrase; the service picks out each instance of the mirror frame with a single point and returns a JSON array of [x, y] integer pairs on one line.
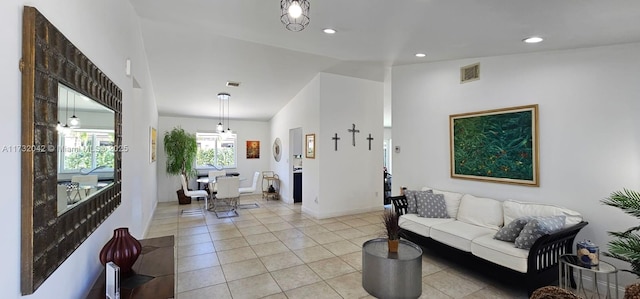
[[49, 58]]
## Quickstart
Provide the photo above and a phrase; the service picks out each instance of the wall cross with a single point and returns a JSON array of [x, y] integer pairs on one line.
[[369, 138], [353, 131], [335, 139]]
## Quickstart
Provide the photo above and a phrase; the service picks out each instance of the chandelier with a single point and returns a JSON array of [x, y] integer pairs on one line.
[[295, 14], [222, 97]]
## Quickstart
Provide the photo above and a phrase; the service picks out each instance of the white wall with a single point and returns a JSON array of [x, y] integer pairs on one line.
[[351, 178], [589, 127], [340, 182], [245, 130], [107, 32], [301, 112]]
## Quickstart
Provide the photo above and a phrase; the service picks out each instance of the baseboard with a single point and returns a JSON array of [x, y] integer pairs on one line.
[[348, 212]]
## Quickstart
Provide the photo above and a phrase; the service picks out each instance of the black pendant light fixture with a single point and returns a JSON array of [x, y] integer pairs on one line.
[[222, 97], [294, 14], [65, 129], [229, 132], [74, 122]]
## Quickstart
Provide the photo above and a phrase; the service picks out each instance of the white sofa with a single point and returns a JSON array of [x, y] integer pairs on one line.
[[474, 221]]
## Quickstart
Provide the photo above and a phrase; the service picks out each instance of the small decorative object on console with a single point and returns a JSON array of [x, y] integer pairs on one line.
[[123, 249], [588, 253]]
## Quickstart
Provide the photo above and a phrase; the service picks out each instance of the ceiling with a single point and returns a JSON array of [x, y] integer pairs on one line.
[[195, 46]]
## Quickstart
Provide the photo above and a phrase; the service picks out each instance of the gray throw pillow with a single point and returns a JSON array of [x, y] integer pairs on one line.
[[537, 228], [431, 205], [511, 231], [412, 205]]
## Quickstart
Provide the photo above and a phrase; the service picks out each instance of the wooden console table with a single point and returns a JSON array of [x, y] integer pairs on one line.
[[155, 264]]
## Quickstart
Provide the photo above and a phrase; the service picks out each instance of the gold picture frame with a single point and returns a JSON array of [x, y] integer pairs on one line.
[[499, 145], [310, 146], [153, 142]]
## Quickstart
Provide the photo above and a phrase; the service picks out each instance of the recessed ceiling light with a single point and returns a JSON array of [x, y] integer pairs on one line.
[[421, 55], [533, 40], [329, 31]]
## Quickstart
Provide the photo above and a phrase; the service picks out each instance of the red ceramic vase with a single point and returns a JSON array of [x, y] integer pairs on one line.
[[123, 249]]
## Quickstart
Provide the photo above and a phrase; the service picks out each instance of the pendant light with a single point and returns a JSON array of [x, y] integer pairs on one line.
[[229, 132], [223, 96], [74, 122], [294, 14], [65, 129]]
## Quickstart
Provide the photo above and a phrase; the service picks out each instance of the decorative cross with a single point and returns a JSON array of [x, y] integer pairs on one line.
[[354, 131], [369, 138], [335, 139]]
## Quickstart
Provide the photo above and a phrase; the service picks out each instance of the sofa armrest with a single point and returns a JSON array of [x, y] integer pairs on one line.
[[399, 204], [545, 253]]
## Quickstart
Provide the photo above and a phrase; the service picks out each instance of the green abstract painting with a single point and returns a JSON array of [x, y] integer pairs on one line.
[[496, 145]]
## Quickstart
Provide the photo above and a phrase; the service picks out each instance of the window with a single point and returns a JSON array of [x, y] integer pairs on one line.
[[216, 150], [81, 150]]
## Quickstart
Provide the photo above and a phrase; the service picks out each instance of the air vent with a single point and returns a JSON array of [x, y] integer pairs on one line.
[[470, 73], [233, 84]]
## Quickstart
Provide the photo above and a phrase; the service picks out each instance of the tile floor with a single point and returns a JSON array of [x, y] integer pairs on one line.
[[275, 251]]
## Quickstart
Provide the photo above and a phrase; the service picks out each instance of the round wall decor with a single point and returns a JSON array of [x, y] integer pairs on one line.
[[277, 149]]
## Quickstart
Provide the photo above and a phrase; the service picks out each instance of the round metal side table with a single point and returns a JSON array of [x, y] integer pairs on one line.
[[392, 275], [570, 262]]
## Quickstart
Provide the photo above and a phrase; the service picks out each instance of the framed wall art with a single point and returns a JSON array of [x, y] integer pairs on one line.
[[310, 146], [498, 145], [253, 149], [153, 141]]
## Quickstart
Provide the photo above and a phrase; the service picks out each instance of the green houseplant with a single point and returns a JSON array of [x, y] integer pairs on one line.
[[392, 229], [626, 245], [181, 148]]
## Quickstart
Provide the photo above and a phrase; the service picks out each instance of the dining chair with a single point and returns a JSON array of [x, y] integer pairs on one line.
[[213, 174], [226, 199], [249, 190], [194, 194], [87, 184]]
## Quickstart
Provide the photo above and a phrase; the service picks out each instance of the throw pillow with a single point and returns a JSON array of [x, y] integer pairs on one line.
[[431, 205], [412, 205], [537, 228], [511, 231]]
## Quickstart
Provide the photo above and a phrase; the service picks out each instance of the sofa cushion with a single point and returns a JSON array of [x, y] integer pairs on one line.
[[511, 231], [419, 225], [485, 212], [458, 234], [500, 252], [452, 199], [516, 209], [536, 228], [431, 205]]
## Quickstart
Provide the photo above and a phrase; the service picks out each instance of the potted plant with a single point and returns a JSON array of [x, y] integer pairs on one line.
[[392, 229], [181, 148], [626, 246]]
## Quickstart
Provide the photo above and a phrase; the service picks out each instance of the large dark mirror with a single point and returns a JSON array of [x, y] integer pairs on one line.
[[85, 148], [54, 72]]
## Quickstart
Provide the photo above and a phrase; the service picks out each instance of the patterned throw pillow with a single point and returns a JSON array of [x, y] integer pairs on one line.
[[510, 232], [412, 205], [431, 205], [538, 227]]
